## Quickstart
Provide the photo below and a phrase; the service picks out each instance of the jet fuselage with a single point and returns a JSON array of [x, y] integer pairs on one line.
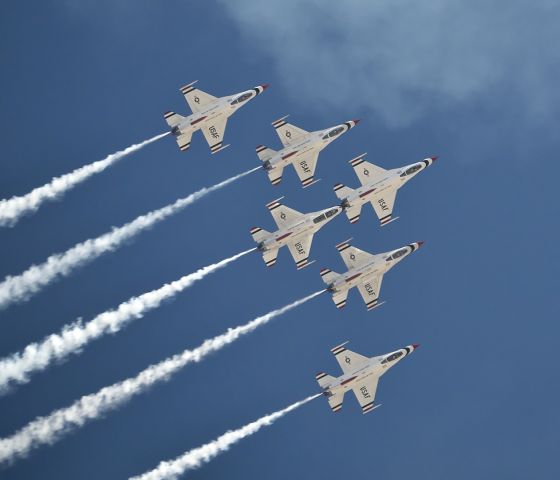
[[221, 107], [308, 224], [390, 180], [375, 266], [373, 367], [313, 142]]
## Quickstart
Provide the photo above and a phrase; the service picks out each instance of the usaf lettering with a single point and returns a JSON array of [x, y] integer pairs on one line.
[[299, 248], [214, 132], [383, 204], [369, 289], [303, 165], [365, 393]]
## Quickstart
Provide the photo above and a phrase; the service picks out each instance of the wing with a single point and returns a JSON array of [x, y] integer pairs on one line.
[[369, 290], [352, 256], [365, 393], [383, 205], [283, 216], [347, 359], [287, 132], [214, 133], [366, 172], [300, 250], [197, 99], [305, 168]]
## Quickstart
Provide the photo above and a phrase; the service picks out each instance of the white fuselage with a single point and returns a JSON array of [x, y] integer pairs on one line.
[[220, 108], [373, 367], [391, 180], [373, 267], [309, 144], [308, 224]]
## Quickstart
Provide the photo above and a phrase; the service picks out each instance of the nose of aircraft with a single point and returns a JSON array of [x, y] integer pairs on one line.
[[420, 243], [415, 345], [265, 86], [354, 122], [434, 158]]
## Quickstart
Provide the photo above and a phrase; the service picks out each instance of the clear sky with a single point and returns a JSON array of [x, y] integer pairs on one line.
[[472, 82]]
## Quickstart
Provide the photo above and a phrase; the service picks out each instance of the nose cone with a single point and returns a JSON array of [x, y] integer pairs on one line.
[[434, 158], [420, 243], [266, 85], [353, 123], [415, 345]]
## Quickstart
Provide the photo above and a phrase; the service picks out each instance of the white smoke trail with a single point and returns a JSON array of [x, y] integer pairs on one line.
[[197, 457], [12, 209], [49, 429], [21, 287], [17, 368]]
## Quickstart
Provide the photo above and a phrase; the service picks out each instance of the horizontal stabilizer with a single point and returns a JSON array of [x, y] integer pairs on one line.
[[259, 234], [173, 119], [324, 380], [339, 299], [342, 191], [328, 276], [265, 153], [353, 213], [269, 257]]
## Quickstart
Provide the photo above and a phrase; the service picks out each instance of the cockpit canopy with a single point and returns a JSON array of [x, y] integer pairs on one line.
[[334, 132], [325, 215], [411, 170], [398, 254], [242, 98], [392, 357]]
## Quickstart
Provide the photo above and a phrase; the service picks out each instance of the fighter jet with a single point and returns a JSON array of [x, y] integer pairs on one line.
[[301, 148], [379, 186], [295, 230], [210, 114], [359, 373], [365, 271]]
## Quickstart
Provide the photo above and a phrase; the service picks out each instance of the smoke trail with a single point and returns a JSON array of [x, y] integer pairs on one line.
[[11, 210], [21, 287], [197, 457], [17, 368], [49, 429]]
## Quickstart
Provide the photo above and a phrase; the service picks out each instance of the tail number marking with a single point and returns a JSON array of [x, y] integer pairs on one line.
[[303, 164], [214, 132], [383, 204]]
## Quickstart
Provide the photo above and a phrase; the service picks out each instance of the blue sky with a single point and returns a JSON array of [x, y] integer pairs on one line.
[[474, 84]]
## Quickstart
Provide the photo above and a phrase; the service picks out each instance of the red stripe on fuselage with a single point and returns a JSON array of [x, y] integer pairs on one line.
[[284, 236], [199, 120], [353, 277], [289, 155], [348, 381], [367, 193]]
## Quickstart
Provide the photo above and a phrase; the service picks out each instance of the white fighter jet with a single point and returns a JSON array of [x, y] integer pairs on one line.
[[210, 114], [360, 374], [301, 148], [295, 230], [365, 271], [379, 186]]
